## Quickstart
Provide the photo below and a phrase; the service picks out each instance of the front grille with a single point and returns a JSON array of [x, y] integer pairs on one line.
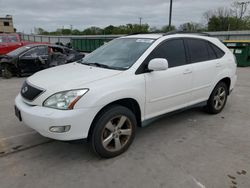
[[29, 92]]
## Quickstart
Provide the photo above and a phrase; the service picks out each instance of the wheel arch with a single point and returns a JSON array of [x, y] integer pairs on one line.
[[129, 103], [226, 80]]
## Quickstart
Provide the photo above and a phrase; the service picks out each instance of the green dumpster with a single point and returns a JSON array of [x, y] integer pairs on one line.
[[241, 50], [90, 43]]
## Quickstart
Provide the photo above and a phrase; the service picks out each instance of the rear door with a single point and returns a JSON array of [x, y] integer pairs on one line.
[[205, 67], [170, 89]]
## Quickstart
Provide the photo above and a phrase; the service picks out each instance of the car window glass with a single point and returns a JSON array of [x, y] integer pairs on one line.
[[12, 38], [37, 51], [219, 53], [211, 52], [120, 53], [173, 51], [197, 50], [3, 39]]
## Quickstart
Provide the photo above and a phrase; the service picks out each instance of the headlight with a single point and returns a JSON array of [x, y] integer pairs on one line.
[[64, 100]]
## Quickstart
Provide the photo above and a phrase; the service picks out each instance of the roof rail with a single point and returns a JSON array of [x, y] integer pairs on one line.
[[187, 32], [138, 33]]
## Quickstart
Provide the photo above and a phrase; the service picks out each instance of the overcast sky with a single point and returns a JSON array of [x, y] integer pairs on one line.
[[52, 14]]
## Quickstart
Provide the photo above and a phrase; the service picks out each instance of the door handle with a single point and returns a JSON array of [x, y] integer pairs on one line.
[[187, 71]]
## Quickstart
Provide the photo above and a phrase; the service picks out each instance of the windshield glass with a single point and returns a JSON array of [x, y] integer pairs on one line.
[[12, 38], [3, 39], [118, 54], [8, 38], [18, 51]]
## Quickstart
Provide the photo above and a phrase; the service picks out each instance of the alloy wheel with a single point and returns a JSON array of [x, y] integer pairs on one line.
[[116, 133], [219, 98]]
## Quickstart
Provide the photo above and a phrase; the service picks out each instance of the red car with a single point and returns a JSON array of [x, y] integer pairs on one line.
[[10, 42]]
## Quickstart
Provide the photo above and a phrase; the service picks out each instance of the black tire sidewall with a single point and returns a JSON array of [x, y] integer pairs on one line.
[[210, 103], [6, 72], [102, 119]]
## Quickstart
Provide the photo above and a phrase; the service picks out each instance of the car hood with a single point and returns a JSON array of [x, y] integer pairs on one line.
[[69, 76], [6, 58]]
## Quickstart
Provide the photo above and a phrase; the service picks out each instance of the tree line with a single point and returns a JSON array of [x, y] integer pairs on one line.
[[234, 18]]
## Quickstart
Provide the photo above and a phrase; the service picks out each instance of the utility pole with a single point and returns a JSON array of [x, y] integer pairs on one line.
[[140, 18], [170, 14], [243, 7]]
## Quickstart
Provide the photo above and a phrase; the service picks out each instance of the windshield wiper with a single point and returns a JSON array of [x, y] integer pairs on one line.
[[96, 64], [101, 65]]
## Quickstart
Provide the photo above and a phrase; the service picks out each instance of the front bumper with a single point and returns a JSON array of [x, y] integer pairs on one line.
[[41, 119]]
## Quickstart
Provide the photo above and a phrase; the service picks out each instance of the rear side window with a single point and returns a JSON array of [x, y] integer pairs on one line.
[[211, 52], [197, 50], [172, 50], [219, 53]]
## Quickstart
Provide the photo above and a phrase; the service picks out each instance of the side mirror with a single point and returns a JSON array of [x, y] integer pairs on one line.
[[158, 64]]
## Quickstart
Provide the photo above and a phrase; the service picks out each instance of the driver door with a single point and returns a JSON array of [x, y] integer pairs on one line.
[[170, 89], [33, 60]]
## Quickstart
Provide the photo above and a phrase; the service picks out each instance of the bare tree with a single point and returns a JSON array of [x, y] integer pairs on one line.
[[239, 9]]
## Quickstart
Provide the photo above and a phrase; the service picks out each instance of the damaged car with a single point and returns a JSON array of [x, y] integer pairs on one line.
[[29, 59]]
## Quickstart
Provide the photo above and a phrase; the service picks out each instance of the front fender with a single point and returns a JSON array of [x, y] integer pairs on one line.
[[105, 92]]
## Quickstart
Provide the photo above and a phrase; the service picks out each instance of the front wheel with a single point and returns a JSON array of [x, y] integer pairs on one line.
[[6, 73], [218, 98], [113, 132]]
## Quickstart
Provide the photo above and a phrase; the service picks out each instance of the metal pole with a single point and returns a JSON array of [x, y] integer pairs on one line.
[[170, 14]]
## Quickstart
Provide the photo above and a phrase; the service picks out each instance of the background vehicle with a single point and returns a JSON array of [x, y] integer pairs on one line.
[[31, 58], [127, 81], [9, 42]]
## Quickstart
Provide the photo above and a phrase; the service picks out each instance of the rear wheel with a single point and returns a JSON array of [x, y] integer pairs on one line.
[[218, 98], [113, 131]]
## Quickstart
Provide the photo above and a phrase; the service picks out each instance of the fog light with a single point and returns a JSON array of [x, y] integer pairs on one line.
[[60, 129]]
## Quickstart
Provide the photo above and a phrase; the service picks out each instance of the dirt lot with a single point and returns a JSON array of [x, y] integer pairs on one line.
[[189, 149]]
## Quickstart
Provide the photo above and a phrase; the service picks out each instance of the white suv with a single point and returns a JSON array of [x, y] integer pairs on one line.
[[110, 92]]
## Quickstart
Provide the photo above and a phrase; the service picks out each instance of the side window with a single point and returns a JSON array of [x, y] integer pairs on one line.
[[197, 50], [219, 53], [37, 51], [173, 51], [211, 52]]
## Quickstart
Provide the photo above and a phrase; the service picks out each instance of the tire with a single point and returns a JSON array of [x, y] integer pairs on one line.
[[6, 73], [217, 99], [113, 132]]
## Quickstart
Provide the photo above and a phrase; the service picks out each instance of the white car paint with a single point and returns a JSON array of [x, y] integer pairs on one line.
[[157, 92]]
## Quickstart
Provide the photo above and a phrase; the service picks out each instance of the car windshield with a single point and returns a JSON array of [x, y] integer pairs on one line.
[[3, 39], [8, 39], [118, 54], [12, 38], [18, 51]]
